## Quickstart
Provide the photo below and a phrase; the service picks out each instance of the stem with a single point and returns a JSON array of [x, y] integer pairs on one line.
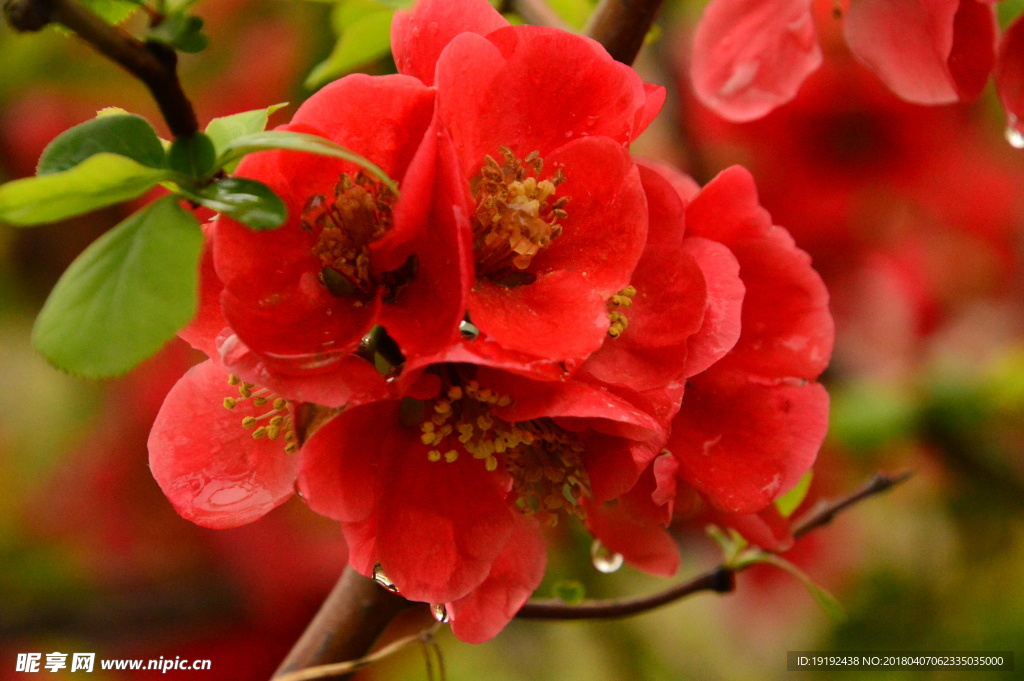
[[349, 622], [720, 579], [622, 25], [153, 63]]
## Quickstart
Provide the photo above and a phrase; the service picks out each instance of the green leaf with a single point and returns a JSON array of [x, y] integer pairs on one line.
[[225, 129], [248, 201], [570, 591], [181, 31], [574, 12], [123, 134], [125, 295], [366, 39], [824, 599], [792, 499], [193, 156], [111, 11], [101, 180], [297, 141]]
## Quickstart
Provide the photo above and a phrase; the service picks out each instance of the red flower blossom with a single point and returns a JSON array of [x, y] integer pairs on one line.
[[351, 255], [445, 492], [539, 119], [1010, 80], [751, 418], [750, 57]]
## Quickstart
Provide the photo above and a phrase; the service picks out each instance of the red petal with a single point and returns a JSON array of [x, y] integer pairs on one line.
[[787, 328], [1010, 77], [727, 208], [656, 95], [721, 326], [975, 33], [444, 271], [551, 87], [419, 36], [750, 56], [439, 526], [603, 236], [558, 317], [209, 466], [767, 529], [907, 44], [740, 442], [643, 543], [334, 380], [668, 307], [517, 572], [202, 331]]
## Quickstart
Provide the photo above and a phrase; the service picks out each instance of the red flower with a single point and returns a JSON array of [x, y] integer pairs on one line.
[[445, 492], [540, 120], [750, 57], [351, 255], [751, 418]]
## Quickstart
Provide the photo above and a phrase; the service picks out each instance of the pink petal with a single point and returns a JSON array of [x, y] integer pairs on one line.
[[750, 56], [419, 36], [209, 466], [516, 574]]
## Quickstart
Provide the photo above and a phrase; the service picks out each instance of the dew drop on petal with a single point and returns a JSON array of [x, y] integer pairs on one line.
[[1014, 134], [382, 579], [604, 560], [468, 330], [440, 613]]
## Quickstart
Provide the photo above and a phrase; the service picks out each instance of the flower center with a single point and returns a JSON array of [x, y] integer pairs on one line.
[[544, 460], [516, 216], [345, 226], [277, 422]]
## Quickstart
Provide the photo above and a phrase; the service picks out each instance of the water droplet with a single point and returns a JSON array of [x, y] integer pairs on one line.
[[382, 579], [415, 31], [1014, 135], [604, 560], [468, 330], [440, 613]]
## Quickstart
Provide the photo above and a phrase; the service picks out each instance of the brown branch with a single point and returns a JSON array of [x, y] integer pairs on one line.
[[153, 63], [349, 622], [622, 25], [720, 579]]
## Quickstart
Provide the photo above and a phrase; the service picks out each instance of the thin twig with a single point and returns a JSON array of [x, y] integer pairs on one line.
[[622, 25], [720, 579], [349, 622], [330, 670], [153, 63]]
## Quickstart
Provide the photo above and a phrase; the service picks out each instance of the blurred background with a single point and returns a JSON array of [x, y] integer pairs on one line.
[[914, 217]]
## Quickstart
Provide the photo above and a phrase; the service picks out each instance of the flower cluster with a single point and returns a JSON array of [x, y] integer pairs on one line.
[[750, 56], [537, 328]]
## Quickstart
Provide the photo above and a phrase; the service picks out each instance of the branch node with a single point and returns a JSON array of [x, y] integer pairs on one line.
[[28, 16]]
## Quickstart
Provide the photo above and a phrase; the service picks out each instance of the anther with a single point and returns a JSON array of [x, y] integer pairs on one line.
[[451, 455], [234, 380], [248, 422], [229, 403], [280, 403], [434, 455], [259, 433]]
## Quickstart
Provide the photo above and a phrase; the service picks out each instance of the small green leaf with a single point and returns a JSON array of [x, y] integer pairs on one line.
[[181, 31], [248, 201], [792, 499], [193, 156], [225, 129], [297, 141], [125, 295], [123, 134], [570, 591], [366, 39], [112, 11], [101, 180], [824, 599]]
